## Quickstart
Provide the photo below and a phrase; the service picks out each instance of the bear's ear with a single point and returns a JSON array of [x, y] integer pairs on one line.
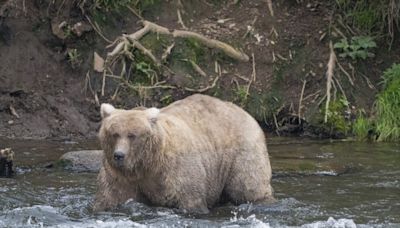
[[152, 114], [106, 110]]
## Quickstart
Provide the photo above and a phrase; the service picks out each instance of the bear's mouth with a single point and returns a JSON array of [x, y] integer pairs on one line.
[[119, 163]]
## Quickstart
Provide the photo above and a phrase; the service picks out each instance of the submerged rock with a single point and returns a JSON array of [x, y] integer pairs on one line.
[[81, 161]]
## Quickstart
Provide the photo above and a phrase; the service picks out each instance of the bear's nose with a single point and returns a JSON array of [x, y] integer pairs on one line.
[[119, 156]]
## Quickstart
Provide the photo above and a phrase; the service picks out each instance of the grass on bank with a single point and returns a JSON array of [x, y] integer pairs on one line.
[[385, 125], [388, 106]]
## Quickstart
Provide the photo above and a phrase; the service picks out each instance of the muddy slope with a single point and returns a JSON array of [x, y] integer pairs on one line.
[[42, 95]]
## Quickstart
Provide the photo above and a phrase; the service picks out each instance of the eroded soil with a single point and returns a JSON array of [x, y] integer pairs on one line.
[[43, 96]]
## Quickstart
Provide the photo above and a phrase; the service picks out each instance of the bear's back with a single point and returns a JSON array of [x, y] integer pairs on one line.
[[209, 115]]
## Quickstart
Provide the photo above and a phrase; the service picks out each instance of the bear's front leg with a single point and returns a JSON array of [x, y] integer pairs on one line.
[[193, 206], [112, 189]]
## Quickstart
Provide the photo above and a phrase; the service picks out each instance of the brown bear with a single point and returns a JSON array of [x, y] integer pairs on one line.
[[6, 162], [186, 155]]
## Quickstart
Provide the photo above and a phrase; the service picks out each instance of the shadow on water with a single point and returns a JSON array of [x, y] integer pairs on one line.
[[317, 184]]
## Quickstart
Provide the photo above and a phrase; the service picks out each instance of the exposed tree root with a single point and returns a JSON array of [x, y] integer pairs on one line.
[[271, 10], [125, 44], [202, 90], [301, 99], [152, 27], [329, 77]]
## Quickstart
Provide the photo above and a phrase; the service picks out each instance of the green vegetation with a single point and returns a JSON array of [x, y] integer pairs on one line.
[[386, 124], [371, 16], [264, 106], [362, 127], [74, 57], [388, 106], [358, 47], [110, 5], [241, 95], [336, 116]]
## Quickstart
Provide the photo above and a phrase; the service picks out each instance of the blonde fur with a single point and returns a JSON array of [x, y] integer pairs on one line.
[[188, 155]]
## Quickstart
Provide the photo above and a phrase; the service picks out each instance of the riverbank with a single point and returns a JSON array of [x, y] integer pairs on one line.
[[49, 87]]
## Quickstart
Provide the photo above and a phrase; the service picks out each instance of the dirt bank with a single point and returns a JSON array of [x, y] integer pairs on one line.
[[44, 93]]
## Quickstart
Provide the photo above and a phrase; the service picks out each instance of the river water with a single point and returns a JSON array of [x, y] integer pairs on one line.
[[317, 184]]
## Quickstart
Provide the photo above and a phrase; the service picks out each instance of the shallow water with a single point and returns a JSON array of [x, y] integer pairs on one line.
[[365, 193]]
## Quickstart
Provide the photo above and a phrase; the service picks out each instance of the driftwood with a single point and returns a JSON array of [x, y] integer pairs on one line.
[[6, 162]]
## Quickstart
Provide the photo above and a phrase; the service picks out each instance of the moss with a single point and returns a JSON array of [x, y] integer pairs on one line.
[[180, 61], [156, 43], [62, 164], [307, 166]]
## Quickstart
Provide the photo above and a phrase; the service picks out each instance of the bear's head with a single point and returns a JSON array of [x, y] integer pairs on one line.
[[7, 154], [129, 138]]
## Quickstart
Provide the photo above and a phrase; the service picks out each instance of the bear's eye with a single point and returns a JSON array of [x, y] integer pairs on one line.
[[131, 136], [115, 135]]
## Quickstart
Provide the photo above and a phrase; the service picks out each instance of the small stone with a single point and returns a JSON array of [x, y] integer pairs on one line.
[[11, 122], [81, 27]]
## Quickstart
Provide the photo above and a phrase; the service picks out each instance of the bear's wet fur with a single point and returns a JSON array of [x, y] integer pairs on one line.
[[6, 162], [186, 155]]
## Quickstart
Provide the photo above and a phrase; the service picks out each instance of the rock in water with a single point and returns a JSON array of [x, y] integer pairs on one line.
[[82, 161]]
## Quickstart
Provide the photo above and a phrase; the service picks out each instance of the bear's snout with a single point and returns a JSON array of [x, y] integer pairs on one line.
[[119, 156]]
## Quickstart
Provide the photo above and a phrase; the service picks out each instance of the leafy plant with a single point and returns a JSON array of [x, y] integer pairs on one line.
[[74, 57], [241, 94], [144, 68], [358, 47], [337, 116]]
